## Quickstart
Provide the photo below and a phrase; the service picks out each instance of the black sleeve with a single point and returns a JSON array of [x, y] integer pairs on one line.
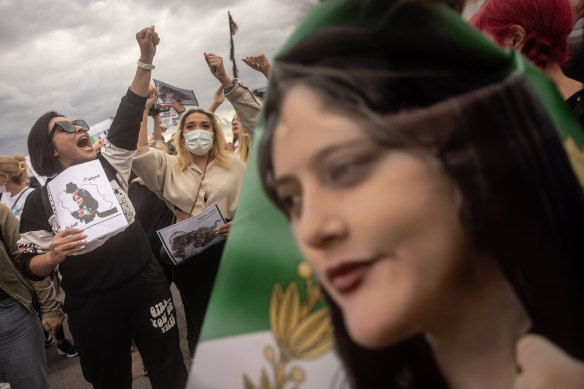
[[125, 128]]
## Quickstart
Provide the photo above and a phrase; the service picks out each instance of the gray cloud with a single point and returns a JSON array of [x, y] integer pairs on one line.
[[78, 57]]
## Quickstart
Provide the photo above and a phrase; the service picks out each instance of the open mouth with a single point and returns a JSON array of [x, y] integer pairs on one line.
[[84, 143]]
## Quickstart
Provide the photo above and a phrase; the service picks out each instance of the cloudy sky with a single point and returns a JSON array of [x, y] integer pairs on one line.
[[78, 57]]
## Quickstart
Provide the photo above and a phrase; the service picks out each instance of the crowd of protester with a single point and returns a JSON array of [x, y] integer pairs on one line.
[[115, 286]]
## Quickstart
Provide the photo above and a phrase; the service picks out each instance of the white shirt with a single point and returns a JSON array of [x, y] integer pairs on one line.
[[16, 202]]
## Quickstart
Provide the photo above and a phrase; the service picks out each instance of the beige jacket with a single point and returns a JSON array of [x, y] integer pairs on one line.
[[220, 185], [246, 105], [12, 281]]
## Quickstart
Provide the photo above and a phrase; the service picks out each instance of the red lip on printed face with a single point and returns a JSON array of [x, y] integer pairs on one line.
[[348, 275]]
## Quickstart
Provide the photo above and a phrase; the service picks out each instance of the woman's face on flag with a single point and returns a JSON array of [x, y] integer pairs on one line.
[[380, 227]]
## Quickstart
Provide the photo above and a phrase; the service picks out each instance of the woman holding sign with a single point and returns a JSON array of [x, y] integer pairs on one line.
[[115, 289], [201, 174]]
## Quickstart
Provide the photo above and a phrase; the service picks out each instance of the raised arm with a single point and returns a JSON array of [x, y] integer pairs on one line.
[[218, 98], [246, 105], [147, 40], [123, 134], [259, 62], [143, 136], [178, 107], [217, 69]]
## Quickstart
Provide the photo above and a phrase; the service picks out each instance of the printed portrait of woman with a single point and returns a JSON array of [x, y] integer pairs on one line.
[[435, 203]]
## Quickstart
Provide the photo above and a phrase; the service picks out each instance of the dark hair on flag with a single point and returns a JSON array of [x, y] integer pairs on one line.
[[232, 31]]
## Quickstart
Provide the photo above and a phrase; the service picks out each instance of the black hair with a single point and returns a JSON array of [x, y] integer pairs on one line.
[[495, 141], [40, 149], [70, 187]]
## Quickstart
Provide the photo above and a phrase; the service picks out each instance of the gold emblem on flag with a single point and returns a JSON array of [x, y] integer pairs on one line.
[[302, 331]]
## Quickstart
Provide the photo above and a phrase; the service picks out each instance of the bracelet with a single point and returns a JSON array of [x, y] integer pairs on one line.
[[147, 66], [227, 90]]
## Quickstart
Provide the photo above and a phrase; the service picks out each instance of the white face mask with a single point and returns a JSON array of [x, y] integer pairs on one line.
[[198, 142]]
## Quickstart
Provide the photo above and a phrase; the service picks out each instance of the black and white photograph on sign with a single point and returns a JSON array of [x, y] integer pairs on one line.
[[169, 119], [168, 94], [192, 236], [83, 198]]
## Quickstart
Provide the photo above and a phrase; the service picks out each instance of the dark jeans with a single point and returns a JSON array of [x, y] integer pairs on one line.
[[23, 362], [104, 323]]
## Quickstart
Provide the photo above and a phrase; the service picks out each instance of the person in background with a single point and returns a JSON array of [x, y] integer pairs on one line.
[[23, 362], [574, 67], [14, 177], [14, 183], [539, 30], [243, 149]]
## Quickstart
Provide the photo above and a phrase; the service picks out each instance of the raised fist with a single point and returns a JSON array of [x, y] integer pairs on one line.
[[147, 40], [258, 62], [217, 69]]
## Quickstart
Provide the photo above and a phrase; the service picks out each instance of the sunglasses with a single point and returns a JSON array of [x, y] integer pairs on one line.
[[68, 126]]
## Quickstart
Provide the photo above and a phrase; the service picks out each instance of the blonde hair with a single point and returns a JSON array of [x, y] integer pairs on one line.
[[243, 147], [217, 153], [14, 168], [158, 144]]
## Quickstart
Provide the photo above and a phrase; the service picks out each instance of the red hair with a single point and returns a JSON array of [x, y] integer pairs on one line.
[[547, 24]]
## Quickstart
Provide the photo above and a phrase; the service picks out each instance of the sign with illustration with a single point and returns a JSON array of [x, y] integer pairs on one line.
[[82, 197], [189, 237], [168, 94]]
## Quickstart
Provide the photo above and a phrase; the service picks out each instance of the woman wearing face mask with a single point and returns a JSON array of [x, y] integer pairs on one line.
[[201, 174]]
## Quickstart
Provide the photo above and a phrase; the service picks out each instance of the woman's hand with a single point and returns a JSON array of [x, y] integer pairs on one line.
[[224, 229], [152, 97], [217, 69], [544, 365], [52, 324], [258, 62], [66, 242], [147, 40], [178, 107], [218, 98], [98, 144]]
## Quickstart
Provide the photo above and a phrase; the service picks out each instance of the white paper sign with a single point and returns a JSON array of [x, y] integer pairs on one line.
[[190, 237], [82, 197], [99, 130]]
